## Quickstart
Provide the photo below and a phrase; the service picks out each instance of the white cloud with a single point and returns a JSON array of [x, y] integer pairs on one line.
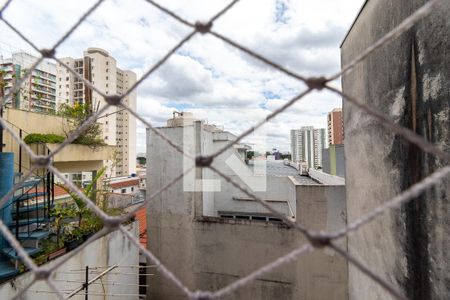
[[205, 73]]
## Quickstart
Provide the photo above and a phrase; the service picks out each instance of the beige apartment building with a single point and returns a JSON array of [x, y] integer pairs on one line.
[[119, 127]]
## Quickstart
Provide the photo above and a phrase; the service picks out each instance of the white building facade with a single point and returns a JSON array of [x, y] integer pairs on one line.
[[307, 144], [119, 127]]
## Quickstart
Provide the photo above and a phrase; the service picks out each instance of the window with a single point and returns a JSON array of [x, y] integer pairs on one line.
[[67, 78], [124, 191], [132, 188], [106, 77]]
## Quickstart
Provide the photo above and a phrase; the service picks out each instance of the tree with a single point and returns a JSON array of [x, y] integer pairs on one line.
[[73, 117]]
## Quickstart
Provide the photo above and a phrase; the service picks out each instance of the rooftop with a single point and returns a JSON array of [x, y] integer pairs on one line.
[[278, 168]]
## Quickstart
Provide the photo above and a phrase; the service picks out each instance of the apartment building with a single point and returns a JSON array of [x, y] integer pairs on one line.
[[307, 144], [38, 91], [335, 127], [119, 127]]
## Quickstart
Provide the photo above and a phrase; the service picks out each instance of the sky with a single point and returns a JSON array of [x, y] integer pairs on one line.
[[216, 82]]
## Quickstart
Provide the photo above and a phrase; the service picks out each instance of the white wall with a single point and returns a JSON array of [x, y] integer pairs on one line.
[[107, 251]]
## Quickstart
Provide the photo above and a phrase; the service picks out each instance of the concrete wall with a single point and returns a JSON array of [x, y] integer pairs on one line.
[[407, 80], [230, 198], [34, 122], [207, 253], [107, 251]]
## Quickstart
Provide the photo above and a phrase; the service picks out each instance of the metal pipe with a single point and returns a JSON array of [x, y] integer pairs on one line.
[[20, 153]]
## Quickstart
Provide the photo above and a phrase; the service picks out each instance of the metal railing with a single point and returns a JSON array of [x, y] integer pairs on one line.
[[316, 240]]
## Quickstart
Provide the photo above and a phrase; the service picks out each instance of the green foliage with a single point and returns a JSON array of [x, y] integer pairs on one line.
[[141, 160], [80, 209], [47, 247], [61, 213], [250, 154], [43, 138], [74, 117]]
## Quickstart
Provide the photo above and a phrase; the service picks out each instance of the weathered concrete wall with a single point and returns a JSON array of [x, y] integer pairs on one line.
[[407, 80], [104, 252], [324, 272]]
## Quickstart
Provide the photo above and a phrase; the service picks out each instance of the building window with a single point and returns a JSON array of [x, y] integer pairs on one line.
[[124, 191], [67, 78], [132, 189]]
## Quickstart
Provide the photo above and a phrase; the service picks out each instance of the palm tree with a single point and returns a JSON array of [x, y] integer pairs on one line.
[[89, 191]]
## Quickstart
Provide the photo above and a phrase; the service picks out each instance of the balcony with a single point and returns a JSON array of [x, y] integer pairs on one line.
[[75, 158]]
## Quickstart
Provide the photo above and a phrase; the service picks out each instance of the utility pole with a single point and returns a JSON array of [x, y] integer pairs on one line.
[[87, 283]]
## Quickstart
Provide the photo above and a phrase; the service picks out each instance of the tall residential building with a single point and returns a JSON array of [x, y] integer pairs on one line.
[[335, 127], [38, 91], [119, 127], [307, 144]]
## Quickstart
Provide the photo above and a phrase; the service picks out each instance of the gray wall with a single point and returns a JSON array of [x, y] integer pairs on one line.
[[407, 80], [339, 158]]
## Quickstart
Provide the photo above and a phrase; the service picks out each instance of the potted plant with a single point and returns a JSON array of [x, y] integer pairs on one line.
[[60, 214], [73, 238]]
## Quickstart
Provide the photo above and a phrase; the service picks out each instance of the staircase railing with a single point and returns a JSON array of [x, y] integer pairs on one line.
[[30, 199]]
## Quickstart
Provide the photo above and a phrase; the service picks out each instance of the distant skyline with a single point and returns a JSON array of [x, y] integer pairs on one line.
[[204, 73]]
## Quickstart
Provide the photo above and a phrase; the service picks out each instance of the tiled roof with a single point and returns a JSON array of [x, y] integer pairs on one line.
[[125, 183], [141, 217], [59, 192]]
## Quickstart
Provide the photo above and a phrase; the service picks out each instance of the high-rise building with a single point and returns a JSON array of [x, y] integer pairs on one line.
[[335, 127], [119, 126], [37, 93], [307, 144]]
